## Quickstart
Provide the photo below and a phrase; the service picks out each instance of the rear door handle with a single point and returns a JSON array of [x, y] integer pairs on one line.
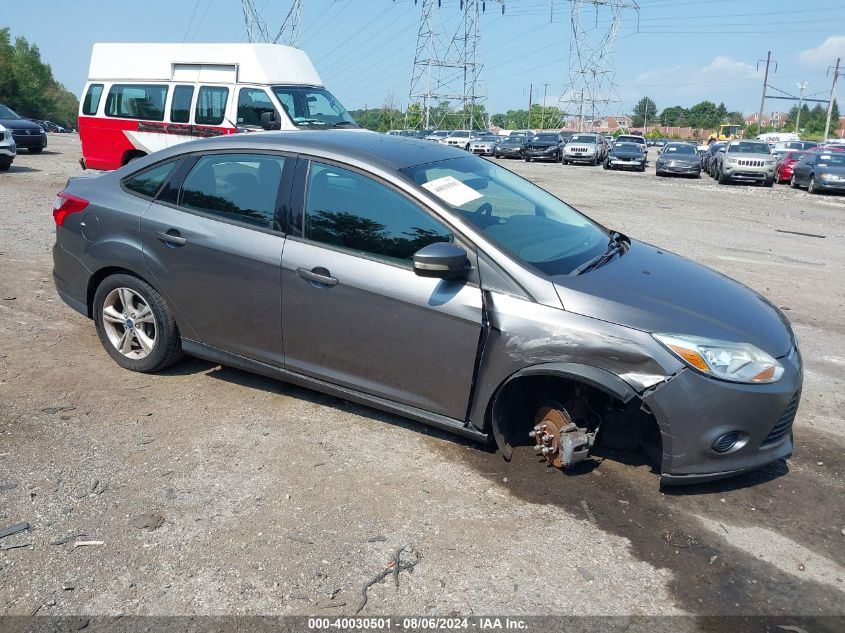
[[171, 237], [318, 276]]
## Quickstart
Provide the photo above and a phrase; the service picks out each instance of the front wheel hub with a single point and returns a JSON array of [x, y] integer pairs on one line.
[[549, 421]]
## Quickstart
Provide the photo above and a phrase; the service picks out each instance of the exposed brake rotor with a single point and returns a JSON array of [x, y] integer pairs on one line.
[[549, 421]]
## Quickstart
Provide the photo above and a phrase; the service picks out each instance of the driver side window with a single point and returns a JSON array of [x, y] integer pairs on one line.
[[349, 211]]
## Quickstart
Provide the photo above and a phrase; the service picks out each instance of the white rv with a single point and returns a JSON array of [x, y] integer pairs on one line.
[[143, 97]]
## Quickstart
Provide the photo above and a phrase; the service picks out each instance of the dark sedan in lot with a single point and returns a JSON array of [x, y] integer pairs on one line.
[[679, 159], [509, 147], [625, 156], [707, 159], [434, 284], [27, 135], [544, 146], [820, 172]]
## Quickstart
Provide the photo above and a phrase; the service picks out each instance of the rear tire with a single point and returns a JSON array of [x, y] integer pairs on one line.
[[793, 183], [154, 342], [811, 186], [5, 166], [36, 150]]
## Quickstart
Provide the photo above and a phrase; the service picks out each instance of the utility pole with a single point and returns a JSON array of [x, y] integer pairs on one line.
[[802, 86], [832, 96], [530, 101], [765, 85], [543, 115]]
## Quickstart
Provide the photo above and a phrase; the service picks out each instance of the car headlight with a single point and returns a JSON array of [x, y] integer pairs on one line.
[[828, 177], [731, 161], [736, 362]]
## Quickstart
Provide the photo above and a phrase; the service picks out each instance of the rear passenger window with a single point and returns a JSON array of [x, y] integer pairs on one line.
[[353, 212], [180, 107], [148, 182], [252, 103], [241, 187], [133, 101], [211, 105], [92, 99]]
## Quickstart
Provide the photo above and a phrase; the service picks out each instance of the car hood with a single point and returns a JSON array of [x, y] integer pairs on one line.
[[542, 143], [653, 290], [20, 124], [674, 156]]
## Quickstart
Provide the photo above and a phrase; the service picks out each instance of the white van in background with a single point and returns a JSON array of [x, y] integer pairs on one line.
[[140, 98], [776, 137]]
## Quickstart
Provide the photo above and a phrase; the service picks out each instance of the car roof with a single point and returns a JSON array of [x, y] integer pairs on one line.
[[388, 151]]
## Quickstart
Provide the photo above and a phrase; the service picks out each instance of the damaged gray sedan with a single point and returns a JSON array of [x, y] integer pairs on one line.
[[433, 284]]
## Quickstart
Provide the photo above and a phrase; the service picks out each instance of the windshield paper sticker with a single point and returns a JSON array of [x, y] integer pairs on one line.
[[452, 190]]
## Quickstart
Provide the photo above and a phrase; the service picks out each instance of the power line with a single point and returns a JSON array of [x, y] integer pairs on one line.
[[191, 21]]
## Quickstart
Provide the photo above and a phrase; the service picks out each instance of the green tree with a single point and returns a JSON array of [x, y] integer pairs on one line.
[[27, 84], [645, 112], [672, 116], [703, 115]]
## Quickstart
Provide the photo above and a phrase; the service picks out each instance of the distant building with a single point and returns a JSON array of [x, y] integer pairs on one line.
[[775, 119], [605, 125]]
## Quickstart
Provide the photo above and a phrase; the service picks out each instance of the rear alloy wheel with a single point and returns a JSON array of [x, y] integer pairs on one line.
[[135, 325], [811, 186]]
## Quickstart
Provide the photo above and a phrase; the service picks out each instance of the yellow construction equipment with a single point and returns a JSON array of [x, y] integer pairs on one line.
[[727, 132]]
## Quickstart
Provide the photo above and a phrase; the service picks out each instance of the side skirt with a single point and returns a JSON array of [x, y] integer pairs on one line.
[[214, 355]]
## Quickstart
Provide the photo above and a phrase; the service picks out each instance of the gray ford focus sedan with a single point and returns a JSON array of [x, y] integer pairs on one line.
[[421, 280]]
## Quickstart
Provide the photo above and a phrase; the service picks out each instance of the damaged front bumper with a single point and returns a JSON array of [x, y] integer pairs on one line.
[[712, 429]]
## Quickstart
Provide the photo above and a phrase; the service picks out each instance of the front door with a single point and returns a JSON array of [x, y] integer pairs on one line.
[[353, 311], [215, 250]]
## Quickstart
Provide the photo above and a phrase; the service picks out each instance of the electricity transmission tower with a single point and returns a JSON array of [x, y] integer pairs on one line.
[[447, 67], [256, 26], [590, 91], [289, 32]]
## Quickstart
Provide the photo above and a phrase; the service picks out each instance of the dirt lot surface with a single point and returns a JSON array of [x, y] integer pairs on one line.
[[208, 490]]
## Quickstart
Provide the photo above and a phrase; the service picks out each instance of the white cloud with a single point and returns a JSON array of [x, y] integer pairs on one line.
[[826, 52], [721, 79]]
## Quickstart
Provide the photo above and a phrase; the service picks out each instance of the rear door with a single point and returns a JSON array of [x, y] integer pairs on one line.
[[355, 314], [213, 241]]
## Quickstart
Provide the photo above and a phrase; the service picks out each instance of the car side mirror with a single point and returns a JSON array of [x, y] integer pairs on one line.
[[270, 122], [443, 260]]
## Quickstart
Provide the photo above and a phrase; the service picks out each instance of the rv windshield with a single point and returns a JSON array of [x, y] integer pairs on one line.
[[312, 107]]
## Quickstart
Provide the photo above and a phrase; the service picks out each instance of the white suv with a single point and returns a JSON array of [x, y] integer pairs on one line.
[[460, 138], [633, 138], [8, 149]]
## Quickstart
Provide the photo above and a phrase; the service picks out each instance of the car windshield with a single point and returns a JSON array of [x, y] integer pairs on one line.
[[460, 133], [749, 147], [516, 215], [514, 140], [630, 139], [308, 107], [619, 148], [8, 113], [681, 148], [487, 138], [546, 138], [581, 138]]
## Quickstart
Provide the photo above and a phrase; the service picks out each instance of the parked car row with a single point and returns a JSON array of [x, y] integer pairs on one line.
[[818, 168]]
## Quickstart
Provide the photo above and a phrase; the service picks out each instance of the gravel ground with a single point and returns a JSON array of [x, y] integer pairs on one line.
[[208, 490]]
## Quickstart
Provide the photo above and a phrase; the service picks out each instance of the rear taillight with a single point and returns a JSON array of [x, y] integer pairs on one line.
[[65, 204]]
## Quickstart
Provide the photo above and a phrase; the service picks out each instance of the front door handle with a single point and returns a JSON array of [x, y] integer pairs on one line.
[[171, 237], [317, 276]]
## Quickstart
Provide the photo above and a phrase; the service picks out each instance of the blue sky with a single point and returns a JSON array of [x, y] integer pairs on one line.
[[684, 51]]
